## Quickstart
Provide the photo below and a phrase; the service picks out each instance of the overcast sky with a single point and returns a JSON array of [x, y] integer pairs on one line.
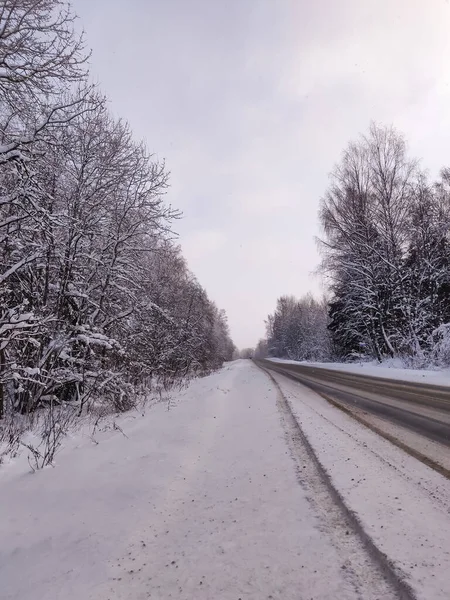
[[251, 103]]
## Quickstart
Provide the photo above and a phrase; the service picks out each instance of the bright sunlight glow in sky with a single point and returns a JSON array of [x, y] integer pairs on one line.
[[251, 102]]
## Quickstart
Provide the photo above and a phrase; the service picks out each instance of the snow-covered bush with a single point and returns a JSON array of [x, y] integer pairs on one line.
[[440, 344]]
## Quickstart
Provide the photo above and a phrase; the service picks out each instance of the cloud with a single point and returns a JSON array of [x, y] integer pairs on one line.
[[199, 245], [252, 102]]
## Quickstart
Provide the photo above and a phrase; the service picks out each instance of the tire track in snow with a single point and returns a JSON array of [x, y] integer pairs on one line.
[[369, 570]]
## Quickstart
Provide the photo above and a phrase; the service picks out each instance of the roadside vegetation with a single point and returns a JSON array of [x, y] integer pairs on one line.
[[385, 262], [98, 309]]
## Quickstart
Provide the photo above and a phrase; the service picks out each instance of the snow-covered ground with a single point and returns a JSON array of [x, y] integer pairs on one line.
[[391, 370], [403, 505], [218, 498]]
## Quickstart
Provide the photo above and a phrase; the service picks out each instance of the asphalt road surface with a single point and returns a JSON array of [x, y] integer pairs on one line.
[[420, 408]]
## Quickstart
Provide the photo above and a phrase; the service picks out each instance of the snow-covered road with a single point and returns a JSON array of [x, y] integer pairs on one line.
[[221, 497]]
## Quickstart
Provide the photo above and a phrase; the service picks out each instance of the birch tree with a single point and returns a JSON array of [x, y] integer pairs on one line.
[[366, 219]]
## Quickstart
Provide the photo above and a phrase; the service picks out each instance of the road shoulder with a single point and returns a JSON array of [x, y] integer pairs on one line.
[[402, 504]]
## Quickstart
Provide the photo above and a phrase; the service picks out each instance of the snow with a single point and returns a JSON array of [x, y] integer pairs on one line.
[[402, 504], [210, 496], [200, 500], [390, 371]]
